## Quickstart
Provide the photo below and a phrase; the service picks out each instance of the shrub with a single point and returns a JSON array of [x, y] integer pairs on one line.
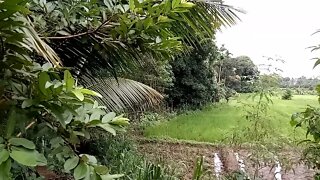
[[287, 95]]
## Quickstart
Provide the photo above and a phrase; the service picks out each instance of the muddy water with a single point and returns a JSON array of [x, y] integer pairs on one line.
[[230, 160]]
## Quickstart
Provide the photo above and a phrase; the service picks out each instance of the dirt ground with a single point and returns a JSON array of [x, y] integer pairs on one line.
[[182, 157]]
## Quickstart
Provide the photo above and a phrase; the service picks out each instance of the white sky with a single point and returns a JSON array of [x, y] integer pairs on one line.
[[273, 28]]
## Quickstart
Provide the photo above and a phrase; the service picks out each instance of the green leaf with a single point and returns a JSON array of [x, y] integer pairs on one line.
[[316, 63], [46, 66], [131, 5], [164, 19], [4, 155], [27, 103], [95, 116], [108, 117], [293, 122], [93, 93], [13, 116], [43, 79], [5, 170], [187, 5], [120, 121], [108, 128], [2, 146], [48, 84], [81, 171], [68, 79], [93, 123], [71, 163], [175, 3], [110, 177], [41, 160], [24, 156], [101, 170], [91, 159], [78, 94], [22, 142]]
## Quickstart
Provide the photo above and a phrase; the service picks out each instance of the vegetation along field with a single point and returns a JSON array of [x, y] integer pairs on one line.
[[217, 122]]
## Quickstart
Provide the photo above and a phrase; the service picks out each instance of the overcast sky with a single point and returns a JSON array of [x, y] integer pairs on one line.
[[276, 28]]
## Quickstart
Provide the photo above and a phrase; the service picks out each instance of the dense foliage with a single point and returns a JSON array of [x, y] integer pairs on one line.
[[46, 113], [287, 95], [194, 81], [309, 120], [208, 74], [239, 74]]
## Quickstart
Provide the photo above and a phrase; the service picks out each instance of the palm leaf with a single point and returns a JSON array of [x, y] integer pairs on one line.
[[95, 48], [33, 42], [119, 94]]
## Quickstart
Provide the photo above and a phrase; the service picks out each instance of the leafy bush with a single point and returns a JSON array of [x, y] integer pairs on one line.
[[287, 95], [310, 120], [44, 97]]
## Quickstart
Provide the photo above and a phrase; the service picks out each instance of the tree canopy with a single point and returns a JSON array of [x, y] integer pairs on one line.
[[51, 49]]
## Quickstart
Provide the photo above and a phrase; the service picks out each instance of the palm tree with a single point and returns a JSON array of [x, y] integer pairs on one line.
[[117, 37]]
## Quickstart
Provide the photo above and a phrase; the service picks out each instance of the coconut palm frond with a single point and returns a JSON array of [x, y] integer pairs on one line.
[[119, 94], [33, 42], [221, 13]]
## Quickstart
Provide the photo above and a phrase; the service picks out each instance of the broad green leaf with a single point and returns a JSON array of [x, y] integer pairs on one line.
[[46, 66], [5, 170], [71, 163], [108, 128], [175, 3], [101, 170], [68, 79], [187, 4], [91, 159], [120, 121], [43, 79], [78, 94], [110, 177], [94, 176], [108, 117], [4, 155], [93, 93], [1, 140], [41, 160], [95, 116], [94, 123], [27, 103], [22, 142], [81, 171], [13, 117], [24, 156]]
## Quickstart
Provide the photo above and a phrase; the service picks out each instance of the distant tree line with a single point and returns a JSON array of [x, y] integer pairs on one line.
[[202, 75], [301, 82]]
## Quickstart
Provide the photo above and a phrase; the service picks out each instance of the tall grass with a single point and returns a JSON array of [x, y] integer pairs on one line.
[[216, 122]]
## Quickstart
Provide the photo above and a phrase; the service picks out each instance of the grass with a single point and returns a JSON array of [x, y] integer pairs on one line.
[[216, 123]]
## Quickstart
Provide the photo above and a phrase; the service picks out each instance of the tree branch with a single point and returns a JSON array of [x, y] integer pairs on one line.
[[27, 127], [80, 34]]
